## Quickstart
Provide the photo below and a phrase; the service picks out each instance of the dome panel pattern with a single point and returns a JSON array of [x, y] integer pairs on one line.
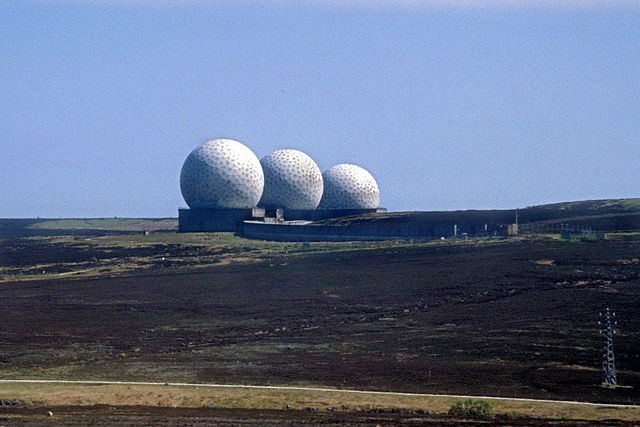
[[292, 180], [348, 186], [221, 173]]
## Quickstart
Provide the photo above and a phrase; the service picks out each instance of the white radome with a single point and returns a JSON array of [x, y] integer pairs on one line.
[[292, 180], [348, 186], [221, 173]]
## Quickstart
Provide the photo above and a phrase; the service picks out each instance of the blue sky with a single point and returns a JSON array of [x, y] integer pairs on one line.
[[450, 105]]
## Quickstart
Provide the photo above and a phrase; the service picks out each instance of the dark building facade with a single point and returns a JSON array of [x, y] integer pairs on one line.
[[301, 225], [224, 219]]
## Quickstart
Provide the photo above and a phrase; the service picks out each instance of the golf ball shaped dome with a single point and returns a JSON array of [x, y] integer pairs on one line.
[[292, 180], [348, 186], [221, 173]]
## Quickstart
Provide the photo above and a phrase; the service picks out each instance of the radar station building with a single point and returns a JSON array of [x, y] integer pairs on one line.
[[228, 189]]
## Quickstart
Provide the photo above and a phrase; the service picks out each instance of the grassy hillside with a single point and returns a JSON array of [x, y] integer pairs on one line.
[[18, 227], [116, 224], [607, 215]]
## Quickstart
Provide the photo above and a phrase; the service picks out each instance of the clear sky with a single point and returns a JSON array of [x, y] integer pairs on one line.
[[450, 105]]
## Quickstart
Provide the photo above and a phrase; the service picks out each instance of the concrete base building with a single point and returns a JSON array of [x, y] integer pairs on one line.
[[216, 219], [303, 225], [227, 219]]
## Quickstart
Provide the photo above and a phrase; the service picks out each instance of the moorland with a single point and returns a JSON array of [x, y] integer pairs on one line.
[[515, 317]]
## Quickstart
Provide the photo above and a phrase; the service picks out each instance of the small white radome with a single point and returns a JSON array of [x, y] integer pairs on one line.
[[221, 173], [348, 186], [292, 180]]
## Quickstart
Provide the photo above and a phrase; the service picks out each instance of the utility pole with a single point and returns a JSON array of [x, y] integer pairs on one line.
[[609, 376]]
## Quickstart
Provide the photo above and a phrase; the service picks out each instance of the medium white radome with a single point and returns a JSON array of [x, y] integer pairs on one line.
[[292, 180], [348, 186], [221, 173]]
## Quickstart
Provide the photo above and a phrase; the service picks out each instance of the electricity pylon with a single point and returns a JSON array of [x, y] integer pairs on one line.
[[609, 376]]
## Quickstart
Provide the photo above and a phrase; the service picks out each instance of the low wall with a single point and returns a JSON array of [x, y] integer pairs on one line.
[[315, 233]]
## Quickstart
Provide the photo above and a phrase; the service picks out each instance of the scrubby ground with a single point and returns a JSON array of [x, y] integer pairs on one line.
[[31, 395], [156, 416], [509, 318]]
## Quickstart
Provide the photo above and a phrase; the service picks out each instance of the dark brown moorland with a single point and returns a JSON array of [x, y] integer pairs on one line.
[[515, 317]]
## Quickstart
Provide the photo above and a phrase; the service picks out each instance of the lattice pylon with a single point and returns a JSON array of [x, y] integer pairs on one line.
[[609, 375]]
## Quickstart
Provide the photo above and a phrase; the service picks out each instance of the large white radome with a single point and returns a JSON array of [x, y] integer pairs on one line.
[[221, 173], [292, 180], [348, 186]]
